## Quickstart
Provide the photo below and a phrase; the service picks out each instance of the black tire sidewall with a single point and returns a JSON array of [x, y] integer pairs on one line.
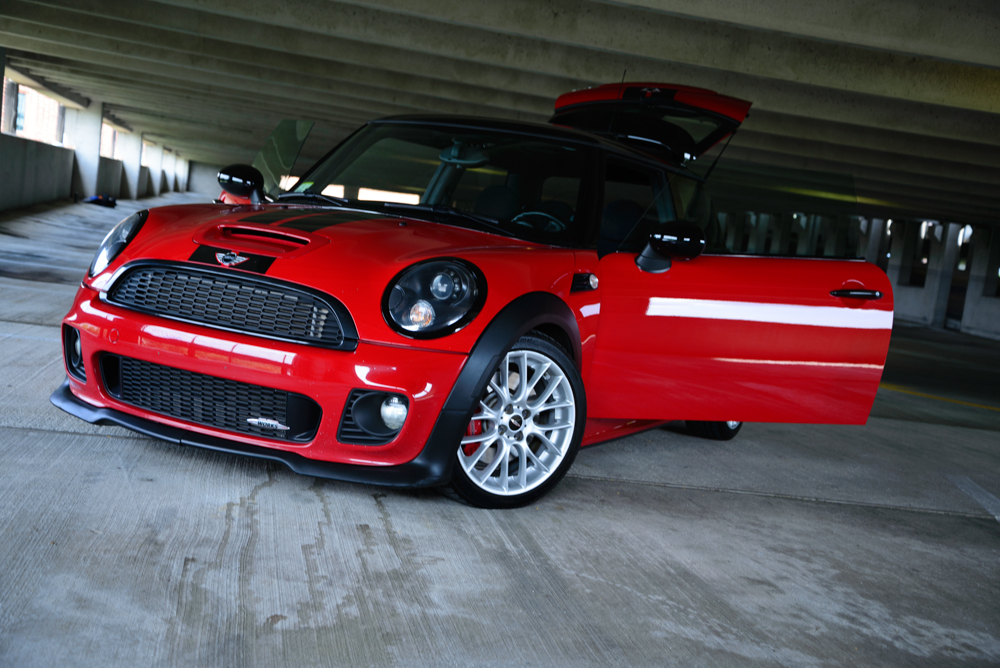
[[479, 497]]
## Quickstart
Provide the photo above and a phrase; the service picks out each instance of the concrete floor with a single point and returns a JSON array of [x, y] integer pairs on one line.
[[789, 546]]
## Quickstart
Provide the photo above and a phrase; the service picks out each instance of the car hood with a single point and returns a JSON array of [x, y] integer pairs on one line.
[[350, 254]]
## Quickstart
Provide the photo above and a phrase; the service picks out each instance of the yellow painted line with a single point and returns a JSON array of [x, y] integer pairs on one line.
[[897, 388]]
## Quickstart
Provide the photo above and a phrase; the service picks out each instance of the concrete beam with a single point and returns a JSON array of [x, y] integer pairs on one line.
[[726, 47], [859, 136], [159, 93], [93, 46], [101, 19], [966, 31], [545, 56], [986, 177], [60, 94]]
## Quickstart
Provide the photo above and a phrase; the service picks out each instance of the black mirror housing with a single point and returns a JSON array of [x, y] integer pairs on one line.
[[243, 181], [679, 239]]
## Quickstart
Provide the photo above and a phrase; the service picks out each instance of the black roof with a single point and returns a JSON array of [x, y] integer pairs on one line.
[[526, 127]]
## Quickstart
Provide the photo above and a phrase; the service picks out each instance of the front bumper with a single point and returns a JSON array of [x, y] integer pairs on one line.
[[430, 468], [420, 455]]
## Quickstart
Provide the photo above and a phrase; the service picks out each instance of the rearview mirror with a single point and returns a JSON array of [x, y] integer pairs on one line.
[[677, 240], [243, 181]]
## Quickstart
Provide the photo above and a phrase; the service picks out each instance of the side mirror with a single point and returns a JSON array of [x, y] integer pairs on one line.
[[243, 181], [677, 240]]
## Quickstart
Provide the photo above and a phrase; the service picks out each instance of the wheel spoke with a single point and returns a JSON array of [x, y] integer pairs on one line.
[[535, 460], [553, 386], [501, 455], [522, 465], [474, 458], [538, 375], [556, 426], [479, 438], [505, 471], [549, 445]]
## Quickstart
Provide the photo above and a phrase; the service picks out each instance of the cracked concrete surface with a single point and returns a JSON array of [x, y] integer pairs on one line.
[[792, 545]]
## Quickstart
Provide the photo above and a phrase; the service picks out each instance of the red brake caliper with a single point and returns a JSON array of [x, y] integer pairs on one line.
[[475, 428]]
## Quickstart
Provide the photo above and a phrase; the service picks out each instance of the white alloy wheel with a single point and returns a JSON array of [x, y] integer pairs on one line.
[[527, 429]]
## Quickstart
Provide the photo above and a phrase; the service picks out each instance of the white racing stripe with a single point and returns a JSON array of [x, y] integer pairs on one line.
[[784, 314], [798, 363]]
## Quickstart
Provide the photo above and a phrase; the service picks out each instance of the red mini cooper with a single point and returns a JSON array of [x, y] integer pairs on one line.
[[466, 301]]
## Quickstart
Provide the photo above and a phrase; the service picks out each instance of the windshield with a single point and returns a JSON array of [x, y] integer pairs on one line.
[[531, 187]]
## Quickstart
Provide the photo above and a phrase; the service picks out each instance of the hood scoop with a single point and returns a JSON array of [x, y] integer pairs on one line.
[[260, 240]]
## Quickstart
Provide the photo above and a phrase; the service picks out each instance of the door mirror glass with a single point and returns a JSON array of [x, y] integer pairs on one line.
[[678, 239], [243, 181]]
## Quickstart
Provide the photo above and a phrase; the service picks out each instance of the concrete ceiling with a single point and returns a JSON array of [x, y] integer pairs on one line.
[[904, 94]]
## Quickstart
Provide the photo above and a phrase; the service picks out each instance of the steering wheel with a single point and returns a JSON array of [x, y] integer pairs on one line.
[[539, 220]]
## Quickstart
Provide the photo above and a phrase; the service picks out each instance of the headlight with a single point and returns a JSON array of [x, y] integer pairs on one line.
[[116, 241], [434, 298]]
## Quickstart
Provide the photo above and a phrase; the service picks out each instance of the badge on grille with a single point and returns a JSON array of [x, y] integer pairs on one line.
[[267, 423], [230, 259]]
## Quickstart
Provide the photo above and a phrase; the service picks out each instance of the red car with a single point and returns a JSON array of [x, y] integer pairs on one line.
[[464, 301]]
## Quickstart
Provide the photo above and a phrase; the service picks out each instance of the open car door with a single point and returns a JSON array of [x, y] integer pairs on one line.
[[726, 336]]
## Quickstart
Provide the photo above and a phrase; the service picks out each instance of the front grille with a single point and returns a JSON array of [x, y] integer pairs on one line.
[[234, 302], [209, 400]]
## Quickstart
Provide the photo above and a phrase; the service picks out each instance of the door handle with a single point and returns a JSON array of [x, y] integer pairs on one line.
[[857, 294]]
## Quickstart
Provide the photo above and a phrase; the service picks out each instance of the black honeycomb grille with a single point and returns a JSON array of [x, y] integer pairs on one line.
[[231, 302], [209, 400]]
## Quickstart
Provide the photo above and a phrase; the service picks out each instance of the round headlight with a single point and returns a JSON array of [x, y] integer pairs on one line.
[[116, 241], [434, 298]]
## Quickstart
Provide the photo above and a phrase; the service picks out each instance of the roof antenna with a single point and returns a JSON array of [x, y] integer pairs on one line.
[[618, 100]]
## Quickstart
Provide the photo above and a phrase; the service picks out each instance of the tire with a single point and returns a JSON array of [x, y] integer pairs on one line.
[[536, 439], [717, 431]]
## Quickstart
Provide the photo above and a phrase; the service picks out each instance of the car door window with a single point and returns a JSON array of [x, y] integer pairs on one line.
[[636, 202]]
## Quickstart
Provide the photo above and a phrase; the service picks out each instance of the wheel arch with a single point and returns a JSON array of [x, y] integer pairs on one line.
[[541, 311]]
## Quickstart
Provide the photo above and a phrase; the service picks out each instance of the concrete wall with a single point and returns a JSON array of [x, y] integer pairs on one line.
[[204, 179], [109, 177], [32, 172], [982, 313]]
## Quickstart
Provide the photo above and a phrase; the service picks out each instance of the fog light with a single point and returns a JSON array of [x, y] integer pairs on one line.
[[393, 413]]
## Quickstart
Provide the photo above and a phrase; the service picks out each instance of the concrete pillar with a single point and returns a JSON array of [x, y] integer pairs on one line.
[[182, 174], [942, 274], [876, 232], [82, 133], [10, 108], [154, 161], [130, 150], [982, 306], [169, 165]]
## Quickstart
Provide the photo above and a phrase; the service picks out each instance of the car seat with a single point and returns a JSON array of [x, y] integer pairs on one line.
[[499, 202]]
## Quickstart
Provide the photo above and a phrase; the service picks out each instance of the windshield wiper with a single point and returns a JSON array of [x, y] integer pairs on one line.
[[312, 197], [491, 225]]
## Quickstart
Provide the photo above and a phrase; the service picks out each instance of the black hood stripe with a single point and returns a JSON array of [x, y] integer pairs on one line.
[[275, 216], [316, 223]]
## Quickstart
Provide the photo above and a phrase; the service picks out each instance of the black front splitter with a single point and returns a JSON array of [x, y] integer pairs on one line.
[[427, 470]]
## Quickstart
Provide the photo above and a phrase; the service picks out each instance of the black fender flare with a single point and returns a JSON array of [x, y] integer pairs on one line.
[[514, 321]]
